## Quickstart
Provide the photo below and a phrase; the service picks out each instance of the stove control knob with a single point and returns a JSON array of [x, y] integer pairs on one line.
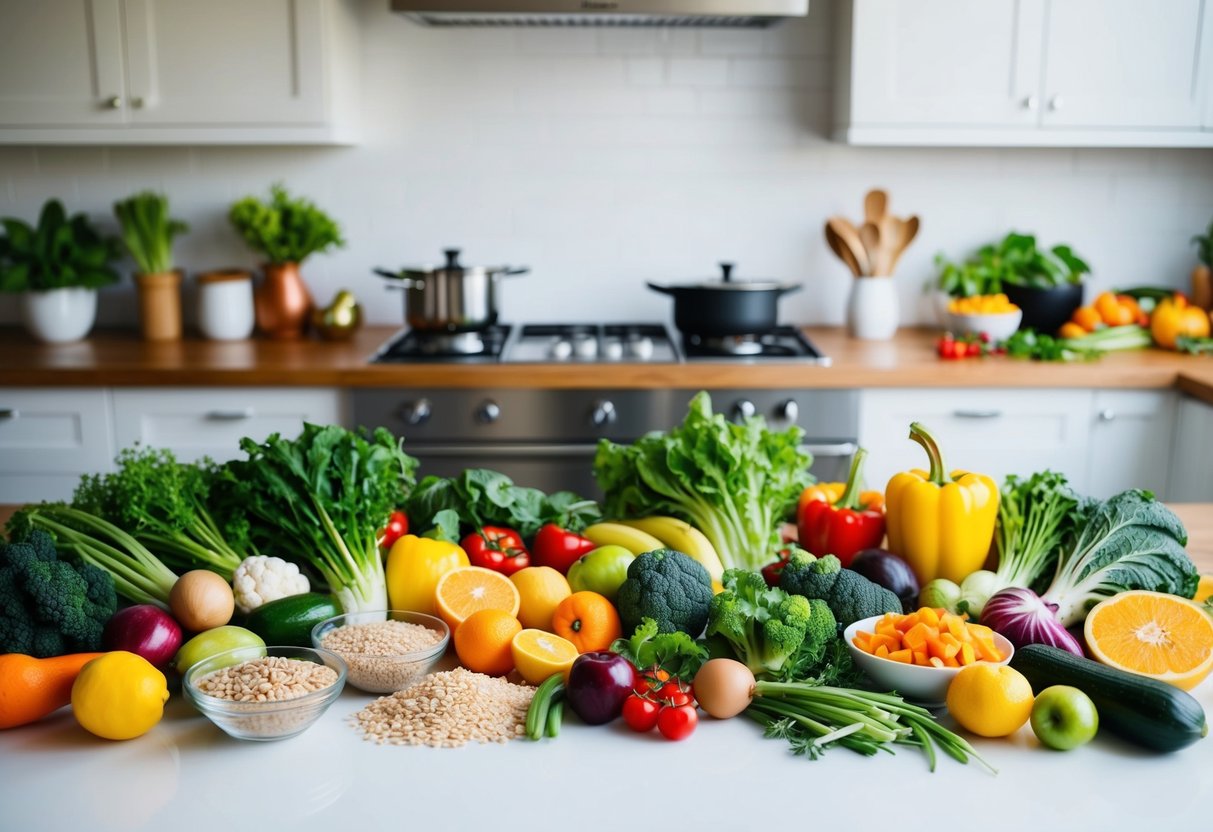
[[612, 349], [585, 346], [743, 409], [603, 413], [641, 348], [488, 412], [561, 349], [416, 412], [787, 411]]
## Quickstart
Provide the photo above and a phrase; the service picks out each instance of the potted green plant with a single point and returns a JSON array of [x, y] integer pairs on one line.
[[57, 268], [148, 232], [1046, 284], [285, 231]]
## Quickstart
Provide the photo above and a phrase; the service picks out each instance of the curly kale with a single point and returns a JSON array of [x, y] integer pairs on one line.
[[49, 607], [851, 596], [766, 627], [669, 587]]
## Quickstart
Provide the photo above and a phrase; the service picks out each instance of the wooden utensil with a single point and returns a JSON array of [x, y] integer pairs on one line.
[[875, 205], [843, 253], [869, 235], [907, 231], [848, 235]]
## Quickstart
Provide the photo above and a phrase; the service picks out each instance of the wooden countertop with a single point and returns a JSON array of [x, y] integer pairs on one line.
[[119, 358]]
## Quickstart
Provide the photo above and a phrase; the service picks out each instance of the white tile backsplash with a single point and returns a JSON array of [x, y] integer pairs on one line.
[[605, 158]]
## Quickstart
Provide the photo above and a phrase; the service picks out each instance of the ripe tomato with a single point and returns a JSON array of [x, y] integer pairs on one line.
[[496, 548], [396, 528], [677, 723], [640, 714], [674, 694], [559, 549], [651, 679]]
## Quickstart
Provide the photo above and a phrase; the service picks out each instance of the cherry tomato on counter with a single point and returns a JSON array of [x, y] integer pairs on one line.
[[496, 548], [396, 528], [677, 723], [640, 713]]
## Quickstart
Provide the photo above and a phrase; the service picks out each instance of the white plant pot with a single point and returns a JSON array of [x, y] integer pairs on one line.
[[872, 308], [58, 316]]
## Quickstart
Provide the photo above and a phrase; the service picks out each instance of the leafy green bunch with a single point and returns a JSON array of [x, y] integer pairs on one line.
[[148, 230], [1014, 261], [61, 252], [286, 229]]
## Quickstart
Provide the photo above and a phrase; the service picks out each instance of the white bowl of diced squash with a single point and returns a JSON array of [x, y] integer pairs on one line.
[[879, 646]]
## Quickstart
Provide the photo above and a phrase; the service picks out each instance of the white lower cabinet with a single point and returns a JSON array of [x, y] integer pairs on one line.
[[1130, 446], [1191, 475], [194, 423], [48, 438], [993, 432]]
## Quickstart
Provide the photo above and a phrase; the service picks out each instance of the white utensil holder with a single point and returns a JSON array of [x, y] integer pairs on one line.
[[872, 308]]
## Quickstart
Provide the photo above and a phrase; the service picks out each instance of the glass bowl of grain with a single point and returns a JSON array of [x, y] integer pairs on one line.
[[270, 694], [386, 650]]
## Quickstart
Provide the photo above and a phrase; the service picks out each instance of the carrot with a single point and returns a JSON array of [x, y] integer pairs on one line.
[[33, 688], [932, 636]]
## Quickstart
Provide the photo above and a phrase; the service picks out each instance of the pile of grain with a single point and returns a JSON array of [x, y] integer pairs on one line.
[[375, 653], [268, 679], [447, 710]]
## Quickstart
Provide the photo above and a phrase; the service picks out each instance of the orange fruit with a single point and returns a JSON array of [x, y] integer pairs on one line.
[[588, 620], [483, 641], [1204, 589], [990, 700], [1087, 317], [469, 589], [1071, 330], [540, 589], [1153, 634], [538, 655], [1112, 311]]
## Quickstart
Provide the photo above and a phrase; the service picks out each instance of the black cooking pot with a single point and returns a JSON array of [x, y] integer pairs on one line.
[[718, 308]]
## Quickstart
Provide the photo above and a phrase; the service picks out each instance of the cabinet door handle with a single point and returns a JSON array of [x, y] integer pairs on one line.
[[832, 450], [1107, 414], [9, 413], [229, 415], [1056, 103], [976, 414], [114, 102], [1031, 103]]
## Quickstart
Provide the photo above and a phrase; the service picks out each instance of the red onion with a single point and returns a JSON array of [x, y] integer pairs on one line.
[[1021, 616], [144, 630]]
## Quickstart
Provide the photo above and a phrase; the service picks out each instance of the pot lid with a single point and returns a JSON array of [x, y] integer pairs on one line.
[[729, 283], [453, 267]]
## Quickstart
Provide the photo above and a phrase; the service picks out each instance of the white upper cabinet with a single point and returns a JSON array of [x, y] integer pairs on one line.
[[1124, 63], [914, 62], [177, 71], [1073, 73]]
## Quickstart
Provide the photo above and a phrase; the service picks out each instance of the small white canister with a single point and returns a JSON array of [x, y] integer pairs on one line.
[[225, 305]]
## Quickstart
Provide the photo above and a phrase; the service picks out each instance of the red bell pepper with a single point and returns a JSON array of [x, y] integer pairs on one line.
[[844, 527], [772, 572], [496, 548], [558, 548]]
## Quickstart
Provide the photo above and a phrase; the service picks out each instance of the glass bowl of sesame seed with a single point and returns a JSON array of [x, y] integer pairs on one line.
[[386, 651], [269, 697]]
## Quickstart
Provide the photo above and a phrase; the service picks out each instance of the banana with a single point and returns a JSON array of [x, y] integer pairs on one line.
[[617, 534], [682, 536]]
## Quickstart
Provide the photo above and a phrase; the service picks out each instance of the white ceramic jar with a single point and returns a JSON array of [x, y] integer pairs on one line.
[[872, 308], [225, 305], [58, 316]]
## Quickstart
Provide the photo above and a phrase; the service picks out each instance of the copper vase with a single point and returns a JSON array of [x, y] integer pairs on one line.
[[282, 302]]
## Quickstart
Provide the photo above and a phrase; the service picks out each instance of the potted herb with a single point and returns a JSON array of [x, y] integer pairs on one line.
[[148, 232], [57, 268], [286, 231], [1045, 284]]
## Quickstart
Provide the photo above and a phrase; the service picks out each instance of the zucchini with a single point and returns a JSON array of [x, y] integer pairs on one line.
[[289, 621], [1144, 711]]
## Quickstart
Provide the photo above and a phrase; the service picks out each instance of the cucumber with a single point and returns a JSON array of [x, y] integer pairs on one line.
[[289, 621], [1144, 711]]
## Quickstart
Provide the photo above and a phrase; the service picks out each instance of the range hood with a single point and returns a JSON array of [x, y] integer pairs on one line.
[[715, 13]]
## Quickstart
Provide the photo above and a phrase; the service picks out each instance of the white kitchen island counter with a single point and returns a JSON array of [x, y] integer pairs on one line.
[[187, 775]]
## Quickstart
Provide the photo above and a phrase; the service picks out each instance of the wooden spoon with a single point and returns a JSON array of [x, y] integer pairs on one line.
[[869, 235], [875, 205], [840, 249], [908, 230], [848, 235]]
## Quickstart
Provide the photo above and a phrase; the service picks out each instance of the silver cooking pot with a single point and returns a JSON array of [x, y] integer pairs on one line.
[[450, 298]]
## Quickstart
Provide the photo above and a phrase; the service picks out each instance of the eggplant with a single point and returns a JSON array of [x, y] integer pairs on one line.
[[887, 569]]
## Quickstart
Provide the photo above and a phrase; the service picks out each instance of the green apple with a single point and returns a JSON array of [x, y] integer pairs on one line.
[[602, 570], [1064, 717]]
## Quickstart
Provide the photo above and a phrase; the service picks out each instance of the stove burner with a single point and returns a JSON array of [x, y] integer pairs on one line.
[[783, 342], [451, 343], [730, 344], [484, 345]]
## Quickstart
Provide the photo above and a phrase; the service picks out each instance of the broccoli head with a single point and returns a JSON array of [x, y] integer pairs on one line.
[[49, 607], [850, 596], [765, 627], [669, 587]]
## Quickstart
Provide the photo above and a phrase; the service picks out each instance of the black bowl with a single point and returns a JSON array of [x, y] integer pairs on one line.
[[1045, 310]]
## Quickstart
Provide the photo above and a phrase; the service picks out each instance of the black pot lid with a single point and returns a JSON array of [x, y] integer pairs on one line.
[[728, 283]]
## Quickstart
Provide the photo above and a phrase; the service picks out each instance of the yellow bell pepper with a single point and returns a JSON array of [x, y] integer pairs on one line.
[[941, 525], [414, 565], [1174, 317]]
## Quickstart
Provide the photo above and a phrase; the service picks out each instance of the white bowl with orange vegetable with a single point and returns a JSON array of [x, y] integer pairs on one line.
[[919, 654], [994, 315]]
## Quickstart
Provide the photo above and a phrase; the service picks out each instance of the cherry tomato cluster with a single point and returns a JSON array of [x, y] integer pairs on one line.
[[662, 703], [950, 348]]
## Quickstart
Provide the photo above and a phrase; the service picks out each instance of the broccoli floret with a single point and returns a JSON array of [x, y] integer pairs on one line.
[[850, 596], [49, 607], [766, 627], [669, 587]]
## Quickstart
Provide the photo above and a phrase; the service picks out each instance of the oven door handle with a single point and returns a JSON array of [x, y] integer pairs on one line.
[[503, 451], [832, 449]]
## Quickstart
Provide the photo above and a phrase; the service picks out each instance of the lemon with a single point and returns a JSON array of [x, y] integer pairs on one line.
[[1204, 589], [119, 696], [540, 589], [538, 655], [990, 700]]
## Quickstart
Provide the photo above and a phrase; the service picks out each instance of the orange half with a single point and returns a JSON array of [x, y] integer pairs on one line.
[[471, 589], [1153, 634]]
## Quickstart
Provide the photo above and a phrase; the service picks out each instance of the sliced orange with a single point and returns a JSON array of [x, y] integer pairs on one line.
[[470, 589], [1153, 634], [483, 641], [1204, 589], [538, 654]]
